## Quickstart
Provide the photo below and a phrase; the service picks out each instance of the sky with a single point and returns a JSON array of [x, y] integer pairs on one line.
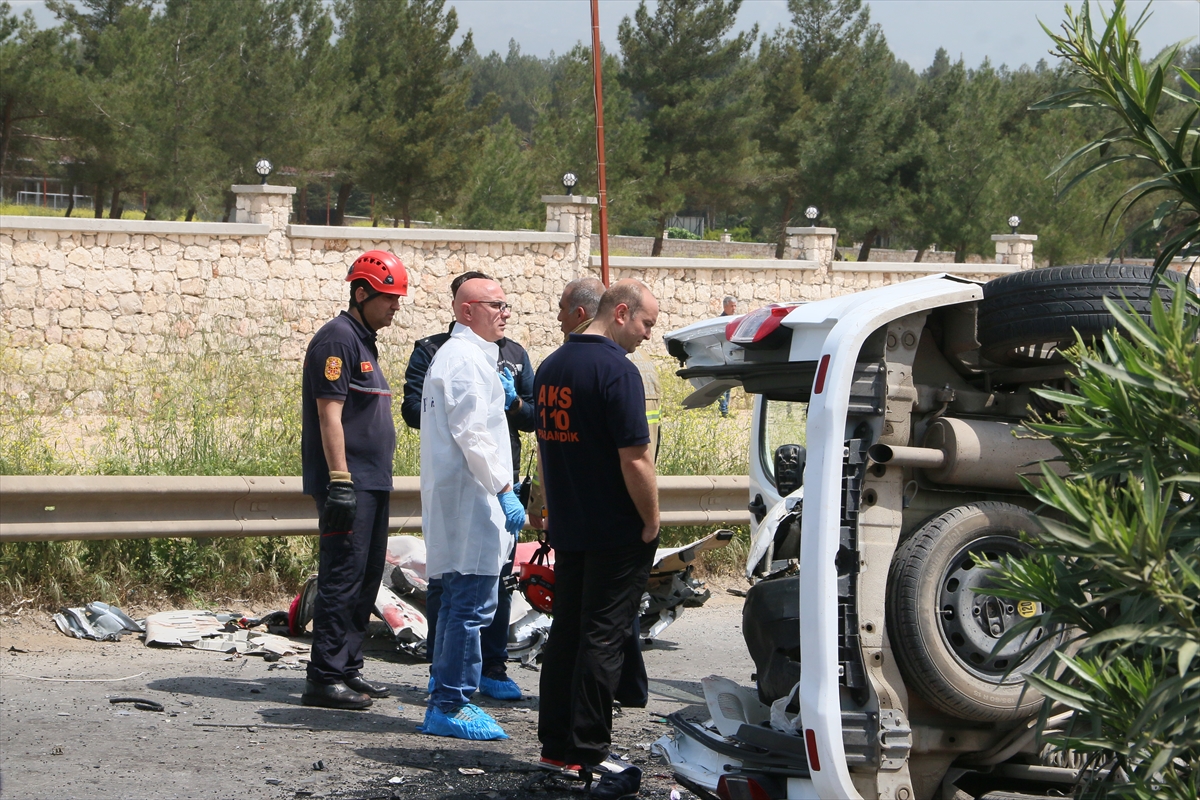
[[1004, 31]]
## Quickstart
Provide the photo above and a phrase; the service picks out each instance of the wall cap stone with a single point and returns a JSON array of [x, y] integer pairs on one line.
[[569, 199], [1014, 237], [426, 235], [919, 266], [649, 262], [259, 188], [818, 231], [135, 226]]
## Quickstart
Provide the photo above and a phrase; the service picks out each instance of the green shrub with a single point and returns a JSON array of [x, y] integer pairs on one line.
[[680, 233], [1119, 560]]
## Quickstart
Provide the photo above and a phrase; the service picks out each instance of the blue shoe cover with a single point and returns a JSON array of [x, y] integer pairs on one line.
[[506, 689], [469, 722]]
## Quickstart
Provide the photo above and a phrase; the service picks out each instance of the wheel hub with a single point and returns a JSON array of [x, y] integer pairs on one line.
[[973, 621]]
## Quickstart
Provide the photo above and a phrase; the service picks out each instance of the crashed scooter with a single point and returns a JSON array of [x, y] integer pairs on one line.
[[400, 601]]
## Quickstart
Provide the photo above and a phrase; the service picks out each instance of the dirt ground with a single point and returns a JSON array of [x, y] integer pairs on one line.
[[64, 740]]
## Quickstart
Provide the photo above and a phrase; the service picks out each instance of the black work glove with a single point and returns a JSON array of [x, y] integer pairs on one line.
[[340, 506]]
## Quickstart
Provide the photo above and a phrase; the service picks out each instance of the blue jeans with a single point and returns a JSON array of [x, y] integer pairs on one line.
[[493, 639], [468, 606]]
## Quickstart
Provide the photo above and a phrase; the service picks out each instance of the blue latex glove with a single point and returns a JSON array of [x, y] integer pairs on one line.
[[510, 387], [514, 513]]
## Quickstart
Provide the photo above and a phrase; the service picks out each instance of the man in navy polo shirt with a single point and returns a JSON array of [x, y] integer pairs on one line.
[[602, 513], [347, 445]]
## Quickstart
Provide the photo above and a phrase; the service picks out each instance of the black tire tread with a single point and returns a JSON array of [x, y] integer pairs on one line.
[[1049, 304], [920, 673]]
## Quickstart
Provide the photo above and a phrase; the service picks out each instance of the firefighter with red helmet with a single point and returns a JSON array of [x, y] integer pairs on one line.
[[347, 444]]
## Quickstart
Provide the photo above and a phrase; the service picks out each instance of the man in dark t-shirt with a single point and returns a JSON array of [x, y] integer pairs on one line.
[[602, 515], [348, 441]]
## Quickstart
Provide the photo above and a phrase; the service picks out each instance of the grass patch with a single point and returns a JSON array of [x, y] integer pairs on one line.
[[79, 212], [216, 414]]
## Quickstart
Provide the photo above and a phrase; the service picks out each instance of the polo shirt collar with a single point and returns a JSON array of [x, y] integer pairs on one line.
[[466, 334], [364, 333], [592, 338]]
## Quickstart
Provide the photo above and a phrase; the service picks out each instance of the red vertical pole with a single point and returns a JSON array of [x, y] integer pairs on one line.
[[601, 179]]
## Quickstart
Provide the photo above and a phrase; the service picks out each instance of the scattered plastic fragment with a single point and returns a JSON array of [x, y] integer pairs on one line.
[[319, 766], [395, 780], [275, 781], [470, 771], [675, 794], [57, 750], [140, 703], [96, 621]]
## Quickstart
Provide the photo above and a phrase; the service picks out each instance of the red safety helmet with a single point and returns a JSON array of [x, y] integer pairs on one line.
[[536, 580], [382, 270]]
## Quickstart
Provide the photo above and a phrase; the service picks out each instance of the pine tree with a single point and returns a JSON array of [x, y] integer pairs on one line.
[[694, 91], [406, 109]]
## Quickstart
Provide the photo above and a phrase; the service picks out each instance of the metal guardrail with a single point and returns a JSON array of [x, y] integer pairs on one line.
[[66, 508]]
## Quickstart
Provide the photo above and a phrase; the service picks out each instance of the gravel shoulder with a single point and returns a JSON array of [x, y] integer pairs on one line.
[[235, 728]]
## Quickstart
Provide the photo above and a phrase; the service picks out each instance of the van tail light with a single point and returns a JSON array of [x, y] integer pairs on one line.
[[822, 370], [757, 327], [810, 740], [746, 787]]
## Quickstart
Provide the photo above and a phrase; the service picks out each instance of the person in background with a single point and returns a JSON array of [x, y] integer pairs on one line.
[[469, 514], [348, 441], [728, 309], [603, 520], [494, 682]]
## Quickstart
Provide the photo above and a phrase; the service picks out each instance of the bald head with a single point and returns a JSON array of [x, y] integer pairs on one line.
[[627, 314], [578, 303], [480, 306]]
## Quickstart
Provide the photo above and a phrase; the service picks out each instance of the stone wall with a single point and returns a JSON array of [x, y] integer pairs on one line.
[[684, 248], [85, 301]]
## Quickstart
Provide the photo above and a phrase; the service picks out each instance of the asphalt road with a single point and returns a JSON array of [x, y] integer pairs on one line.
[[64, 740]]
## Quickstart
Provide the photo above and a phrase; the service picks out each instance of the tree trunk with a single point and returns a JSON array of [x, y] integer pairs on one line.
[[658, 237], [406, 211], [191, 213], [920, 255], [98, 201], [114, 207], [781, 245], [230, 203], [70, 203], [302, 210], [5, 133], [960, 254], [339, 213], [864, 252]]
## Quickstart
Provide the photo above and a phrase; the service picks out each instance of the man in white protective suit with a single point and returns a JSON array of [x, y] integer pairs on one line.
[[469, 513]]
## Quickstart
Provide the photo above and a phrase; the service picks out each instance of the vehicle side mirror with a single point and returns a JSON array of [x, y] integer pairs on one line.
[[789, 468]]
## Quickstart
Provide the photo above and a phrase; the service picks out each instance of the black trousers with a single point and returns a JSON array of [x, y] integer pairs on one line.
[[596, 599], [351, 568]]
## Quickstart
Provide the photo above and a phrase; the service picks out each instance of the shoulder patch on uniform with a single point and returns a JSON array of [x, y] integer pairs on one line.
[[333, 368], [365, 366]]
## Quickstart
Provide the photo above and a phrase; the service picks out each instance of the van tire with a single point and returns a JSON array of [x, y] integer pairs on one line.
[[943, 651], [1026, 318]]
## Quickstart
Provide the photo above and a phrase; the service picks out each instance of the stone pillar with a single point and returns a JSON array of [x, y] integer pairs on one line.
[[813, 244], [261, 204], [1015, 249], [571, 213], [264, 205]]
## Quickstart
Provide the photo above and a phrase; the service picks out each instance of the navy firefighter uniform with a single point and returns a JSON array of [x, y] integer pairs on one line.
[[342, 365]]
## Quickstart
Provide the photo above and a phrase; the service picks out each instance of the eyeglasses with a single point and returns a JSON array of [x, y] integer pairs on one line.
[[499, 305]]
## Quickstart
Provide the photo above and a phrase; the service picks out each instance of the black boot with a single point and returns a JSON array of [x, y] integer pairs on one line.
[[358, 684], [333, 695]]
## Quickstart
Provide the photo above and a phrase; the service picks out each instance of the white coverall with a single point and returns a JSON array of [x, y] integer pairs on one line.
[[466, 459]]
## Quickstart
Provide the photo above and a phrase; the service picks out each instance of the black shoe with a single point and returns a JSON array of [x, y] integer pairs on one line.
[[371, 689], [618, 785], [333, 695]]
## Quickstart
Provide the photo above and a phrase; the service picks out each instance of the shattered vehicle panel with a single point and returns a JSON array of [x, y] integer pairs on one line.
[[885, 455]]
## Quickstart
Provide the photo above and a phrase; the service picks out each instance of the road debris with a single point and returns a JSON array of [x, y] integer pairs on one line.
[[141, 704], [96, 621]]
